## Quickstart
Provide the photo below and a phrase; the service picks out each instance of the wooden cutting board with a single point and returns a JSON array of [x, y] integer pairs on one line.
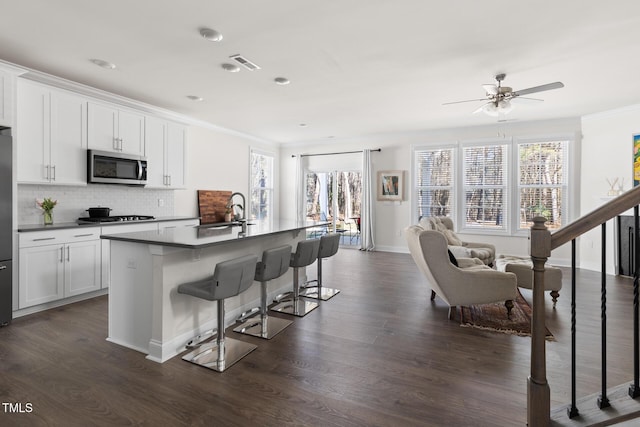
[[211, 205]]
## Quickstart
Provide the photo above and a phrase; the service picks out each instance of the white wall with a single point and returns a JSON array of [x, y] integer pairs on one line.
[[607, 153], [217, 160], [392, 217]]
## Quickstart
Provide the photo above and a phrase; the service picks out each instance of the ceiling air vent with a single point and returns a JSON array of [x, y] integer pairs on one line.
[[245, 62]]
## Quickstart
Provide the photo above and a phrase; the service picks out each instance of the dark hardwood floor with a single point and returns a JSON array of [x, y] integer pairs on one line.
[[380, 353]]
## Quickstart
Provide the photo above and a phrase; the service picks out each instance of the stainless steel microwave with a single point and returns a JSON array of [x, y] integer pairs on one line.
[[105, 167]]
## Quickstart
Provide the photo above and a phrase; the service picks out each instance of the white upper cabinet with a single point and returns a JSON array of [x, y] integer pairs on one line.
[[165, 151], [8, 74], [155, 133], [175, 157], [114, 129], [51, 135], [5, 99]]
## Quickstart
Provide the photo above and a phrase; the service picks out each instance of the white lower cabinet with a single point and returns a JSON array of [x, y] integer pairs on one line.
[[41, 275], [64, 263], [82, 268], [58, 264]]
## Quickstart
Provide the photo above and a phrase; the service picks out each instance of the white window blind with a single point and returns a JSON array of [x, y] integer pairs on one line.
[[434, 171], [485, 186], [542, 182]]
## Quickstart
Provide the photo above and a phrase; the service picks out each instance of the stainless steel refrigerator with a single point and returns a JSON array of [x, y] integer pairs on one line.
[[6, 226]]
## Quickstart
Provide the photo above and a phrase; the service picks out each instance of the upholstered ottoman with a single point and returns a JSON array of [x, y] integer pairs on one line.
[[522, 266]]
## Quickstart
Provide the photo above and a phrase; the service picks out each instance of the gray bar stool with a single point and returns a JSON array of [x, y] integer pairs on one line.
[[306, 253], [275, 262], [329, 244], [229, 279]]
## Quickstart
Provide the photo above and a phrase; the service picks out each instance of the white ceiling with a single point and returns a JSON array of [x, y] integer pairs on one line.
[[357, 67]]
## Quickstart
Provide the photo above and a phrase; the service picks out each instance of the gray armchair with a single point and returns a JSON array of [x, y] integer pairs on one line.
[[471, 282], [486, 252]]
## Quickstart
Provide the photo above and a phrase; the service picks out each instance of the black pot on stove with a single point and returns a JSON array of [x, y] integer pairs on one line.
[[99, 212]]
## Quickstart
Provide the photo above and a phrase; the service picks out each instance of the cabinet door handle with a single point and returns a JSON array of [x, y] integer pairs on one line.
[[43, 238], [121, 144], [3, 267], [53, 169], [115, 143], [169, 176], [61, 253], [46, 172], [68, 254]]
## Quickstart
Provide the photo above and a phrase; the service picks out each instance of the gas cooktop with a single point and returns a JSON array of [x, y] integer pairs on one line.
[[117, 218]]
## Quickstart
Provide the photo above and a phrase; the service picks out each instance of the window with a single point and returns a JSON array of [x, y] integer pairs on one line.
[[494, 186], [484, 186], [261, 191], [434, 172], [542, 182]]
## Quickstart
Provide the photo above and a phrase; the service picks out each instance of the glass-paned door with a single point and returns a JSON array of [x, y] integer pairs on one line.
[[335, 197]]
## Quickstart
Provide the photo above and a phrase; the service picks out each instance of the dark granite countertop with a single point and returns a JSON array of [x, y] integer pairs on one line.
[[205, 236], [65, 225]]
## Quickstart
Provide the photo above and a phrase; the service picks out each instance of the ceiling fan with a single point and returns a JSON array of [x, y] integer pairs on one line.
[[498, 98]]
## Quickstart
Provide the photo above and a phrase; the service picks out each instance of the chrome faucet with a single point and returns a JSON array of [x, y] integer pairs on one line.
[[231, 205]]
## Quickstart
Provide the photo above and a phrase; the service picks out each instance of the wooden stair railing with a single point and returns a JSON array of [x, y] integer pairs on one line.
[[542, 242]]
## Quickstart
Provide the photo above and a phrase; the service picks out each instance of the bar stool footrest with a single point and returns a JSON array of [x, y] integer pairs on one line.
[[254, 327], [286, 296], [247, 314], [196, 341], [309, 284], [325, 293], [297, 307]]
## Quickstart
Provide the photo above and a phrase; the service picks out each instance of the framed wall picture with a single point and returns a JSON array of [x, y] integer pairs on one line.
[[636, 159], [390, 185]]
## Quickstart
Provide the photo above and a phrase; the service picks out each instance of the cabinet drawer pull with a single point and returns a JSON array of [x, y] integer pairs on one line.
[[3, 267], [43, 238], [83, 235]]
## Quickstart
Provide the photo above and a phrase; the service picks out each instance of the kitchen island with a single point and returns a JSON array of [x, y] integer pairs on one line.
[[145, 311]]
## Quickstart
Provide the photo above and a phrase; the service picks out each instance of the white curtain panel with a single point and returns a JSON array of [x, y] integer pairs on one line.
[[366, 209], [300, 197]]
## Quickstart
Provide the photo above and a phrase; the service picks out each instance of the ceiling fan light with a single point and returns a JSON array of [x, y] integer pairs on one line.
[[490, 109], [504, 106]]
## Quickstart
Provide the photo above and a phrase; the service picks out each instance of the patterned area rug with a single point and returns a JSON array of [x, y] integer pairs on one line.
[[493, 317]]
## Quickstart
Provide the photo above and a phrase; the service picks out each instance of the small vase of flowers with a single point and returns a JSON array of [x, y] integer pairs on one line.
[[47, 206]]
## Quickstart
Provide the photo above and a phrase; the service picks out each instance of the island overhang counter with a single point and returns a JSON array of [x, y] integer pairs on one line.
[[145, 311]]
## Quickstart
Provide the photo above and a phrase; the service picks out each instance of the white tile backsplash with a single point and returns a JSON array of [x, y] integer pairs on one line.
[[74, 201]]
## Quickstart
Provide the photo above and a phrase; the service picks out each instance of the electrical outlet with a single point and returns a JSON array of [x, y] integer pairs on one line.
[[160, 203]]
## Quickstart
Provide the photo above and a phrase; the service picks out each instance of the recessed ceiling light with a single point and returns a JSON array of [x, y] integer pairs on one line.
[[281, 81], [211, 35], [104, 64], [303, 125], [195, 98], [232, 68]]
